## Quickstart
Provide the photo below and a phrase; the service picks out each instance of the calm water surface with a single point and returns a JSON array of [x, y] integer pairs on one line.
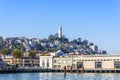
[[60, 76]]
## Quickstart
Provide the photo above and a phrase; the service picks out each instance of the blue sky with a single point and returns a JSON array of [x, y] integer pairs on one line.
[[95, 20]]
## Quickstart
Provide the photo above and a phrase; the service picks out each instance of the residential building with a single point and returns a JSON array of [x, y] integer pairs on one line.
[[94, 48]]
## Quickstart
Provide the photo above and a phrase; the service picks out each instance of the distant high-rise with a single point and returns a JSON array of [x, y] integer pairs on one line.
[[59, 31]]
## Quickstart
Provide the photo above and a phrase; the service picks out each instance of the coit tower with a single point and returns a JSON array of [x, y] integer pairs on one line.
[[59, 31]]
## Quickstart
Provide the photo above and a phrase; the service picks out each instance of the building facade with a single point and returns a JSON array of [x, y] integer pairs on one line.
[[61, 62], [46, 62], [97, 62], [24, 62], [88, 62]]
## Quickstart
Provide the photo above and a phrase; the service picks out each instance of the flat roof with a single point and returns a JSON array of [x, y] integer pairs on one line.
[[97, 55]]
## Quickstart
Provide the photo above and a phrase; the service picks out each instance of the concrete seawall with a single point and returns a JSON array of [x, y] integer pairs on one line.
[[55, 70]]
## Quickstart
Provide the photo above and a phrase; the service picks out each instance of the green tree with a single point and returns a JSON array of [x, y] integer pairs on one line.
[[39, 47], [4, 52], [64, 48], [79, 40], [85, 42], [1, 42], [17, 54], [43, 54], [51, 38], [75, 41], [0, 52], [32, 55], [63, 39]]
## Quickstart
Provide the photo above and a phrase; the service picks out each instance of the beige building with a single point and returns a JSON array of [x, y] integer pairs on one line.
[[60, 62], [88, 62], [97, 62], [25, 61]]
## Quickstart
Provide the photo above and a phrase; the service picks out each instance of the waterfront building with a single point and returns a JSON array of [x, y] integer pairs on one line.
[[97, 62], [61, 62], [88, 62], [23, 62], [46, 62], [54, 62], [28, 62]]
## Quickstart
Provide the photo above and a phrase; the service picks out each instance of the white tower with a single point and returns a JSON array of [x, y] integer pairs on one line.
[[59, 31]]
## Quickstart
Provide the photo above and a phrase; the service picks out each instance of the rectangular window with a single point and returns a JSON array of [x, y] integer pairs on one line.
[[79, 64], [68, 65], [117, 64], [98, 64], [107, 59], [59, 62], [68, 61], [55, 66], [64, 62], [47, 64], [73, 60], [55, 61], [82, 60], [27, 61], [117, 59], [97, 59], [73, 65], [59, 66], [92, 60], [43, 64]]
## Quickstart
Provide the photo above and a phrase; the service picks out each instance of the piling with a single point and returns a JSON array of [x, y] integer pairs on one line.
[[77, 71], [71, 69], [64, 70], [82, 69]]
